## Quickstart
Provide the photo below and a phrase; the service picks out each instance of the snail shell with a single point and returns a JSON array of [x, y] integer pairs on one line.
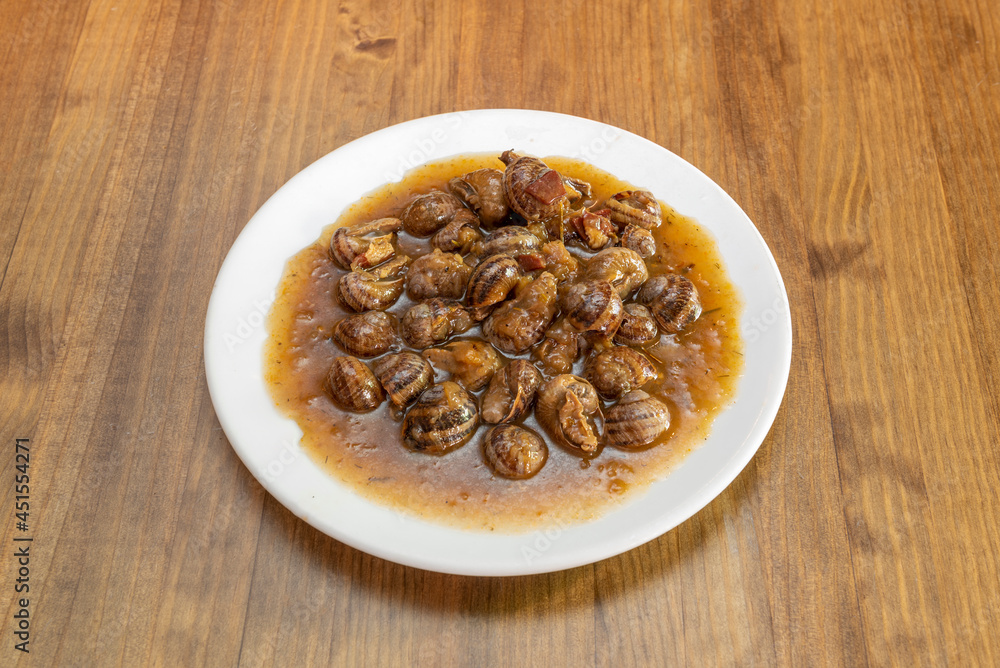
[[618, 370], [353, 386], [347, 243], [482, 191], [594, 230], [510, 239], [639, 240], [460, 235], [514, 452], [492, 280], [635, 421], [367, 334], [471, 363], [428, 213], [673, 300], [593, 306], [511, 392], [532, 189], [519, 324], [638, 327], [433, 321], [443, 418], [623, 268], [404, 376], [362, 291], [438, 274], [652, 288], [637, 207], [569, 410]]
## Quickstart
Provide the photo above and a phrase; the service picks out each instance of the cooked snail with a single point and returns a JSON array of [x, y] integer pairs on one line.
[[532, 189], [638, 327], [639, 240], [460, 235], [364, 291], [438, 274], [510, 240], [353, 386], [433, 321], [618, 370], [635, 421], [514, 452], [521, 323], [673, 300], [482, 191], [404, 376], [638, 207], [428, 213], [492, 280], [511, 392], [443, 418], [570, 412], [593, 306], [350, 244], [560, 348], [623, 268], [368, 334]]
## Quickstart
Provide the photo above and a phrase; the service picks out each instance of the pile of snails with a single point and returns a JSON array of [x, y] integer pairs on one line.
[[500, 262]]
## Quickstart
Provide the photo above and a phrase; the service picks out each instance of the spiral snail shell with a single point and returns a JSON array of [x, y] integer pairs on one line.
[[443, 418], [433, 321], [570, 412], [492, 281], [482, 191], [635, 421], [514, 452], [623, 268], [593, 306], [638, 207], [404, 376], [511, 393], [618, 370], [353, 386], [363, 291], [638, 327], [532, 189], [368, 334], [673, 301]]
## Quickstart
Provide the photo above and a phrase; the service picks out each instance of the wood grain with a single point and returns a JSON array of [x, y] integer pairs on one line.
[[862, 138]]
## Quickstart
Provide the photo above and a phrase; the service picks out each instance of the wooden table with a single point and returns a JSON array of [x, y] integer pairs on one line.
[[862, 138]]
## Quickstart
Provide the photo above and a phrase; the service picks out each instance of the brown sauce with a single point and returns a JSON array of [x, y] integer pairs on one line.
[[698, 368]]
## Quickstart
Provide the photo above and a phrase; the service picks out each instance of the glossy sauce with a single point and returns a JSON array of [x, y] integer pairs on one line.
[[698, 372]]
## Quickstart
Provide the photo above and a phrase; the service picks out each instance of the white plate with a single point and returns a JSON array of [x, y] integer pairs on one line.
[[292, 218]]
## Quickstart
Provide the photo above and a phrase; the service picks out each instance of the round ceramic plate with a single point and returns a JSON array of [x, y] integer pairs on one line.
[[293, 217]]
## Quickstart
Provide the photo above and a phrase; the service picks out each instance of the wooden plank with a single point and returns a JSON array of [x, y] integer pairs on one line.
[[139, 138]]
